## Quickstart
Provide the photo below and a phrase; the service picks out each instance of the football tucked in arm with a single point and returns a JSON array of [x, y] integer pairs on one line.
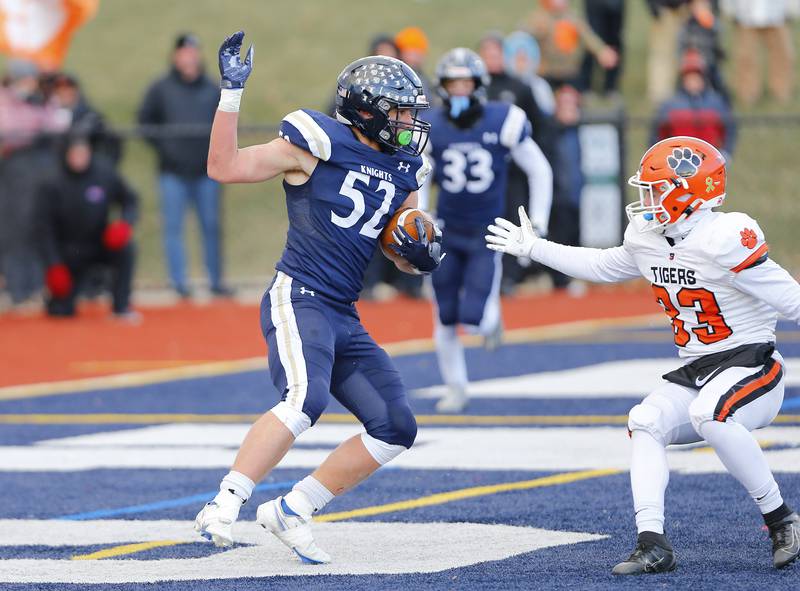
[[405, 218]]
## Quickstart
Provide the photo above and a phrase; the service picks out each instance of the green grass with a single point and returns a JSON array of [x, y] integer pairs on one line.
[[301, 46]]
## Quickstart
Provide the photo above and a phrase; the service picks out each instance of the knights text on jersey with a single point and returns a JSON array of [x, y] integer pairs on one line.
[[471, 164], [336, 216], [694, 282]]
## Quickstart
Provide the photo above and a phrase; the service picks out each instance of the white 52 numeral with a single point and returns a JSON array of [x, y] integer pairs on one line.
[[370, 228], [455, 167]]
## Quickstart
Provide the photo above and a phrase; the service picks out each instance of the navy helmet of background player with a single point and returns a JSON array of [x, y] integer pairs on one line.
[[471, 144], [343, 179], [456, 64]]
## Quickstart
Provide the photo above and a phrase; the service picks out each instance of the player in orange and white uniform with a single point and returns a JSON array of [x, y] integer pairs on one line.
[[711, 273]]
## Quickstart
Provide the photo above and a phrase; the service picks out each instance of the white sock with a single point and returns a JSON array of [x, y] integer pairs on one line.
[[744, 459], [308, 496], [450, 353], [237, 484], [649, 479]]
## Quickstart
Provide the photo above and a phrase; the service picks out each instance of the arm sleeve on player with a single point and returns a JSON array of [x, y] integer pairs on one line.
[[772, 284], [600, 265], [516, 127], [529, 157], [302, 130]]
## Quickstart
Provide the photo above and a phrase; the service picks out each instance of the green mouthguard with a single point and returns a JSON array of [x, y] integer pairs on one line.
[[404, 137]]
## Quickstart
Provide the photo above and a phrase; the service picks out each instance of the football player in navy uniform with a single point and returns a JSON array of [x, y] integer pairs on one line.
[[344, 178], [471, 144]]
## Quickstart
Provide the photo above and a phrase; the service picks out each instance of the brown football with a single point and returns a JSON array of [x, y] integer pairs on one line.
[[404, 217]]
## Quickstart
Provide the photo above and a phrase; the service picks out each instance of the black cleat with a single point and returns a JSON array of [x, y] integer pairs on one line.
[[785, 540], [653, 554]]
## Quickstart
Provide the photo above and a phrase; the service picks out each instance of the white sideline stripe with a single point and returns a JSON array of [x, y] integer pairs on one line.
[[196, 446], [318, 141], [413, 547], [290, 345], [634, 378]]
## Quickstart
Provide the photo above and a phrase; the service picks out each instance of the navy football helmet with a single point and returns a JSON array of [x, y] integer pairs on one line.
[[369, 88], [461, 63]]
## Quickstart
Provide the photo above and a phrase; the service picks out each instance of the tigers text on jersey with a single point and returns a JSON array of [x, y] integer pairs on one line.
[[335, 217], [694, 281], [471, 164]]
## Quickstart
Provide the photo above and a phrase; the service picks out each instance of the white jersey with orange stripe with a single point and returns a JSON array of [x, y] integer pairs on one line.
[[717, 285]]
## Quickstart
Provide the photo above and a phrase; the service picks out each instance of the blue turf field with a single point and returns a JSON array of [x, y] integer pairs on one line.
[[135, 473]]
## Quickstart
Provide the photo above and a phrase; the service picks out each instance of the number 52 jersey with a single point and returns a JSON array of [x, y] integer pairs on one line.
[[336, 216], [718, 285]]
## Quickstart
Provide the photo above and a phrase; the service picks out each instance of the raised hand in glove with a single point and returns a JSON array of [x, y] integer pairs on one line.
[[423, 254], [232, 69], [515, 240]]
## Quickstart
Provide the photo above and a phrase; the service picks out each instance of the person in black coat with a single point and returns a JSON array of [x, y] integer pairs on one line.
[[185, 97], [85, 217]]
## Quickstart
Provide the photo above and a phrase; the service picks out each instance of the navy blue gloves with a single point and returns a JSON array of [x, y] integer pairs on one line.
[[423, 254], [232, 69]]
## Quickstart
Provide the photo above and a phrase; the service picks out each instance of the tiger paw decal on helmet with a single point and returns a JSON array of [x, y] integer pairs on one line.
[[684, 162]]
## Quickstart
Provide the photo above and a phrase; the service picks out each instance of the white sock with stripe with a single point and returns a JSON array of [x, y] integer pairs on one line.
[[237, 484], [450, 353], [742, 456]]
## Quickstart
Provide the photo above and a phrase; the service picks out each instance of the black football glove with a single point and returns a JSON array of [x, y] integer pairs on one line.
[[233, 71], [423, 254]]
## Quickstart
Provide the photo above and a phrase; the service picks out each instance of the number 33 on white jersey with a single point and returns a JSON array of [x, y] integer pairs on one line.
[[718, 285]]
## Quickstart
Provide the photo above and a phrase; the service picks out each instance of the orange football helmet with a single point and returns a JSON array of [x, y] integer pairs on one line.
[[676, 177]]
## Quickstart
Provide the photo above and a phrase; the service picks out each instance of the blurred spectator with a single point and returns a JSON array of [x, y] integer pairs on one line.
[[522, 58], [507, 88], [185, 96], [412, 43], [64, 91], [703, 35], [605, 18], [696, 110], [381, 44], [562, 37], [568, 180], [762, 23], [662, 60], [384, 44], [26, 122], [77, 232]]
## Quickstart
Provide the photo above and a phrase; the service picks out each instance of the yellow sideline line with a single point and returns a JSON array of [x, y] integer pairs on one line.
[[467, 493], [332, 418], [220, 368], [128, 549], [426, 501]]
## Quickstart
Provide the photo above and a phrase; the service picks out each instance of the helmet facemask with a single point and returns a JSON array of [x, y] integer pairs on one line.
[[649, 213]]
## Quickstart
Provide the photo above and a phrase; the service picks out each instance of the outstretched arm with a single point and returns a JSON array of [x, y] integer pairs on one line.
[[606, 265], [529, 157], [227, 163]]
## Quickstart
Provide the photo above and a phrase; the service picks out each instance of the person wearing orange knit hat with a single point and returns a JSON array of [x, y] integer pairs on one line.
[[413, 45]]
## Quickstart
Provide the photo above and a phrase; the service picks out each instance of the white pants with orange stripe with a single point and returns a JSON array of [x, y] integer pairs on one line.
[[723, 412], [751, 396]]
